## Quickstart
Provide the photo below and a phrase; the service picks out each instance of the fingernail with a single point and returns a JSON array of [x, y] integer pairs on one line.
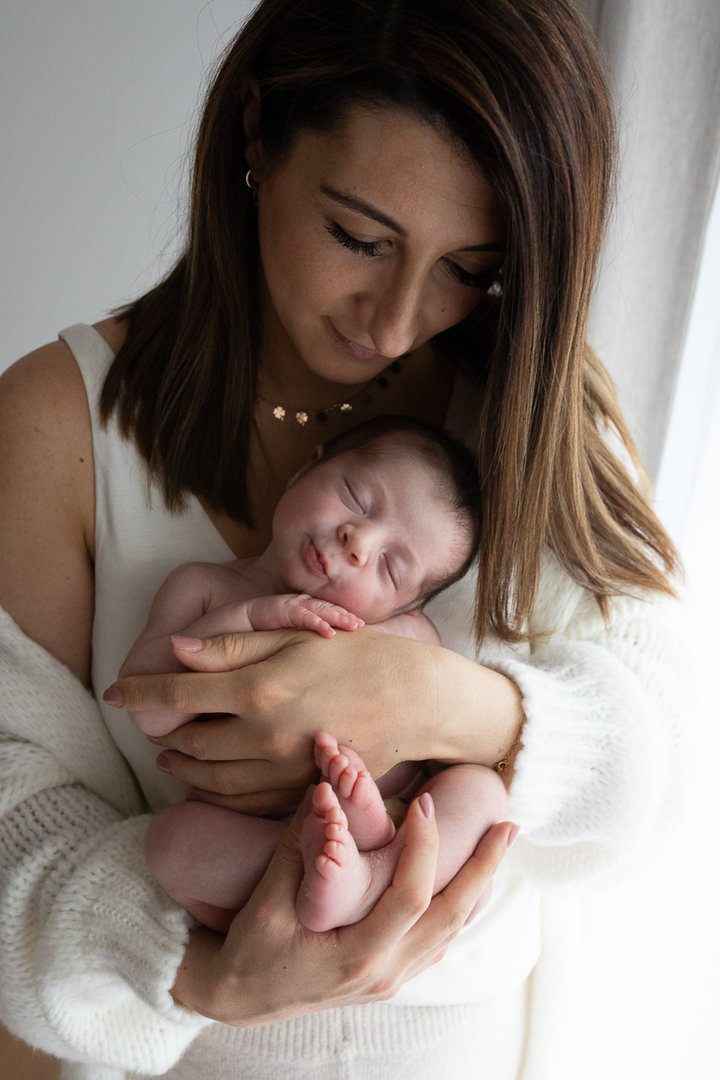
[[512, 835], [162, 763], [427, 805], [152, 739], [187, 644], [113, 696]]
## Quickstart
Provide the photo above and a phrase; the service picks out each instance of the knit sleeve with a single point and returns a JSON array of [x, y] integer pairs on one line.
[[603, 766], [89, 944]]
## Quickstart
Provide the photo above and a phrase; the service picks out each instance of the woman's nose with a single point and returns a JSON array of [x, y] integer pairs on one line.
[[394, 321]]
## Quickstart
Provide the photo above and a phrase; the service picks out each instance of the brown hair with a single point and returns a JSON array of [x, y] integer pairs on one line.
[[519, 83]]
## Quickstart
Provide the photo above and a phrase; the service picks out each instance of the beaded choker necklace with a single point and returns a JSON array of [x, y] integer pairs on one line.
[[320, 416]]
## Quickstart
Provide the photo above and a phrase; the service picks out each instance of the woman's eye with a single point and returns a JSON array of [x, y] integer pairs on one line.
[[359, 247], [482, 280]]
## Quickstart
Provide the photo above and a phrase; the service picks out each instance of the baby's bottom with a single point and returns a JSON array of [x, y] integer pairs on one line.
[[210, 859]]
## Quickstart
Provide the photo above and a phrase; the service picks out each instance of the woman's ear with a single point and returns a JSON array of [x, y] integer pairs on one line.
[[251, 124], [315, 454]]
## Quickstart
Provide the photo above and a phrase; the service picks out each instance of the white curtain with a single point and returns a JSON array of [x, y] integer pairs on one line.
[[663, 59], [645, 972]]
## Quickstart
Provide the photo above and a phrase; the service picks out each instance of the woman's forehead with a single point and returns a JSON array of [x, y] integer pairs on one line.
[[411, 171]]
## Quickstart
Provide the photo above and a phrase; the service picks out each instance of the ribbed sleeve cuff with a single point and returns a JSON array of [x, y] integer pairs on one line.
[[108, 955], [591, 771]]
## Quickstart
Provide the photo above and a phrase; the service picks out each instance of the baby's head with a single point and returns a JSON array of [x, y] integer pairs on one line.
[[380, 519]]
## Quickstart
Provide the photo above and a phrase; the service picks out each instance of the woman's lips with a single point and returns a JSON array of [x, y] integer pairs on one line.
[[357, 352], [313, 560]]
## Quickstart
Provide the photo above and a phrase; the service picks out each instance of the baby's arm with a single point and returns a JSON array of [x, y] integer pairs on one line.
[[180, 602], [184, 604]]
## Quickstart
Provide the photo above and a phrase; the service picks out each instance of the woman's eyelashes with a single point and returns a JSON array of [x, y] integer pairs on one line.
[[359, 247], [481, 280], [371, 249]]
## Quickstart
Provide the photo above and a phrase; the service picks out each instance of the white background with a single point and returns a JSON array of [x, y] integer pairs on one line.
[[99, 98]]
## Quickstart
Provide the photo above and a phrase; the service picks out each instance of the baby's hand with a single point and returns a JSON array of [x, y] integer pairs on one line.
[[302, 612]]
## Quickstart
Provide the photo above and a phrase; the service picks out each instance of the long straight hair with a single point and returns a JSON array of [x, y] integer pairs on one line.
[[518, 82]]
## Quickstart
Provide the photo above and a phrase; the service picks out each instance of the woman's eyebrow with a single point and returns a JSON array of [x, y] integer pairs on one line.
[[361, 206], [353, 202]]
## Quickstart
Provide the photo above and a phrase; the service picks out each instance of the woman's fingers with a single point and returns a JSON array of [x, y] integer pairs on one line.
[[258, 803], [235, 777], [411, 931], [229, 651], [450, 909], [198, 692], [410, 891], [204, 767]]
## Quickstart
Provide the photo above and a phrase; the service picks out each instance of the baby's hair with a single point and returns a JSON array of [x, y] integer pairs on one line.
[[453, 465]]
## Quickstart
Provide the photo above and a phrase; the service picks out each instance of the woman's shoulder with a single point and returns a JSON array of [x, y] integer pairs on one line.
[[46, 384], [43, 402], [44, 387]]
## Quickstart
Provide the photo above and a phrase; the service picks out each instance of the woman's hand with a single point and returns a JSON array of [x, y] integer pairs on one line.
[[389, 698], [269, 968]]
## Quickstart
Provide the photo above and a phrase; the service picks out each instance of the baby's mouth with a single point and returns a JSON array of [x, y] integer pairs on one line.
[[314, 560]]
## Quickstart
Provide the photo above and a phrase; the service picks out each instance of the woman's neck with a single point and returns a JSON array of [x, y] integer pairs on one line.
[[278, 448]]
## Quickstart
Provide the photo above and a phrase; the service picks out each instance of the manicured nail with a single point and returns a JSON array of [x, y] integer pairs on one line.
[[113, 696], [162, 763], [512, 835], [427, 805], [187, 644]]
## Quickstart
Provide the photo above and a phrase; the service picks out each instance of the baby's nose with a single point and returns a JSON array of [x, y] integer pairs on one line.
[[357, 542]]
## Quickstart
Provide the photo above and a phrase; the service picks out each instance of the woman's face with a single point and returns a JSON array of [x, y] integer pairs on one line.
[[373, 239]]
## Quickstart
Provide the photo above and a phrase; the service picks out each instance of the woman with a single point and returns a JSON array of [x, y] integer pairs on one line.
[[375, 182]]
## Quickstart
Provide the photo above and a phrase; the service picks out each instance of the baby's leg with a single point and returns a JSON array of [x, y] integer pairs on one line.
[[209, 859], [342, 884]]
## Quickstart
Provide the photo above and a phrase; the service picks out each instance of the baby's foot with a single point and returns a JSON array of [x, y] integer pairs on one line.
[[356, 791], [337, 877]]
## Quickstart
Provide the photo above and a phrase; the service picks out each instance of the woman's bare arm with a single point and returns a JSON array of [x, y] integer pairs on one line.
[[47, 504]]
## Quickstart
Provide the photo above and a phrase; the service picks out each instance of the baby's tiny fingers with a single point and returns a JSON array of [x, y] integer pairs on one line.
[[311, 621], [331, 614]]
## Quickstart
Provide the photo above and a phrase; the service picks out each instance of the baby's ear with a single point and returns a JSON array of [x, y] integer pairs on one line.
[[315, 454]]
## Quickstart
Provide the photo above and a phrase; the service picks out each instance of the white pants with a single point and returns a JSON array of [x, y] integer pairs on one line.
[[369, 1042]]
